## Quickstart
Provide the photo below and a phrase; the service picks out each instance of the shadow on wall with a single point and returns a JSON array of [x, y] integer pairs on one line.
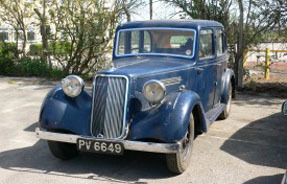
[[130, 167], [261, 142]]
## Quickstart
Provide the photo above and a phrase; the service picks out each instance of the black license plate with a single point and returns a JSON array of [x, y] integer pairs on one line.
[[96, 146]]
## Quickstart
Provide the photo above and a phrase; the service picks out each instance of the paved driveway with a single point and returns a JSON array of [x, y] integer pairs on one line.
[[249, 147]]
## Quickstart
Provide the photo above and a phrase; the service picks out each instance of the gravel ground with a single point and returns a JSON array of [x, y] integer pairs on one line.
[[249, 147]]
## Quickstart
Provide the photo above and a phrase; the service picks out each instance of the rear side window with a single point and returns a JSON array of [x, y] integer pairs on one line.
[[219, 42], [206, 44]]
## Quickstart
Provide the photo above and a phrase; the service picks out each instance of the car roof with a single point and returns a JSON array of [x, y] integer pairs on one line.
[[181, 23]]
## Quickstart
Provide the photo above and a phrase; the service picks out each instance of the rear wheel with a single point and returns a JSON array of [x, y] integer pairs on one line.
[[63, 151], [227, 109], [178, 162]]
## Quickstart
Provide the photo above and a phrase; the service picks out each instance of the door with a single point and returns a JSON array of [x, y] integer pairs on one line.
[[206, 69], [221, 62]]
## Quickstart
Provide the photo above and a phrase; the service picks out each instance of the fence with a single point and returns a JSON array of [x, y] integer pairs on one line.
[[267, 59]]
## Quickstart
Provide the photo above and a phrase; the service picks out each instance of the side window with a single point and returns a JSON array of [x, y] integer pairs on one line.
[[206, 44], [219, 42]]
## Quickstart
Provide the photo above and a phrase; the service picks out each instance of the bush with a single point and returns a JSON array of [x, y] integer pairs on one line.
[[60, 48], [32, 67], [7, 67], [35, 49], [27, 67], [7, 50], [55, 48]]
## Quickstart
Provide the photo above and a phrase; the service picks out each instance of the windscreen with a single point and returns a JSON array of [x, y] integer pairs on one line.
[[156, 41]]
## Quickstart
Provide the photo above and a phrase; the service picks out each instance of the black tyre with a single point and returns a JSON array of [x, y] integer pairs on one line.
[[179, 162], [226, 112], [63, 151]]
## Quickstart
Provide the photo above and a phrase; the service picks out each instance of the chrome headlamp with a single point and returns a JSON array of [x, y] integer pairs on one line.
[[154, 91], [72, 85]]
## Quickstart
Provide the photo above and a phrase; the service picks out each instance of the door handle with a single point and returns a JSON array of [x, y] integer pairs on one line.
[[199, 70]]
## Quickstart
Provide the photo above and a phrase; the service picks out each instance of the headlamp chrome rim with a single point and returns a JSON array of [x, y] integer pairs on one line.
[[160, 84], [79, 80]]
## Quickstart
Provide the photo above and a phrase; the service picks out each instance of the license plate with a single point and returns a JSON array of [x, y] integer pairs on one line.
[[96, 146]]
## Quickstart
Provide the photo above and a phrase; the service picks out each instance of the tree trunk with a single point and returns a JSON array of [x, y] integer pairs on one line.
[[240, 46], [17, 43], [24, 42], [150, 10], [44, 36]]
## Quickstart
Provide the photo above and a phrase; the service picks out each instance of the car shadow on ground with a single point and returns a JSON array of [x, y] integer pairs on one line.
[[266, 179], [129, 168], [32, 127], [252, 99], [261, 142]]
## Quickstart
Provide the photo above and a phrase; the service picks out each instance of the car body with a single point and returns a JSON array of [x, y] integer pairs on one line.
[[169, 81], [284, 108], [284, 180]]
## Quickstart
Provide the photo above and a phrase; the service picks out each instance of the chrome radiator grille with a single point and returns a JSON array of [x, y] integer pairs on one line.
[[109, 104]]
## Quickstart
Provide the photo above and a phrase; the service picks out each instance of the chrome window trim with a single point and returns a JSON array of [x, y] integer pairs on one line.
[[156, 54], [124, 128]]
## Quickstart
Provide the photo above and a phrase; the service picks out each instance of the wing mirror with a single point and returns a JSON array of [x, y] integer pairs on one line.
[[284, 108]]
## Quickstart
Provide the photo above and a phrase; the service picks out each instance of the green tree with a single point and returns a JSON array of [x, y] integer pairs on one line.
[[85, 29], [255, 19], [129, 6], [17, 14]]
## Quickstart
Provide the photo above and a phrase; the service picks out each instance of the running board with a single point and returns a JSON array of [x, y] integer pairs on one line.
[[214, 113]]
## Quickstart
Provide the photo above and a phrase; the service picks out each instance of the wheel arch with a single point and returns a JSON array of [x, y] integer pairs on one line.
[[228, 78], [169, 122]]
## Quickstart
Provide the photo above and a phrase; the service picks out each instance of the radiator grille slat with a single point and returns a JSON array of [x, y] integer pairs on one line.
[[109, 105]]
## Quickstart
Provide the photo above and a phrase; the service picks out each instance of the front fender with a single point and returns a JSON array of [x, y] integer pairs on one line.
[[228, 78], [62, 113], [169, 121]]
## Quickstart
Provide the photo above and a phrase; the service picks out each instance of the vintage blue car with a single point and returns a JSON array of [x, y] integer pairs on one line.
[[284, 108], [168, 83]]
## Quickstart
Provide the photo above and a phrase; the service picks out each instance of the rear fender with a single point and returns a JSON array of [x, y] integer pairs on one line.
[[228, 78]]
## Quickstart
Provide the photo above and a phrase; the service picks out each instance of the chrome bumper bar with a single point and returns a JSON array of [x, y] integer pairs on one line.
[[128, 145]]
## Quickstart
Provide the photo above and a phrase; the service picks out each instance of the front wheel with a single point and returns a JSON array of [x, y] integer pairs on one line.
[[227, 109], [178, 162], [63, 151]]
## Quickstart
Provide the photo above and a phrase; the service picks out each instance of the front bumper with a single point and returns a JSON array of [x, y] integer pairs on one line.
[[128, 145]]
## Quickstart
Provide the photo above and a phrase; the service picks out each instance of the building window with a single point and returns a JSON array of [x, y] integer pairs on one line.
[[19, 37], [3, 36], [31, 36]]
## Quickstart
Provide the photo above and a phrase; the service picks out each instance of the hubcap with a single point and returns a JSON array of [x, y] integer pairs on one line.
[[186, 144]]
